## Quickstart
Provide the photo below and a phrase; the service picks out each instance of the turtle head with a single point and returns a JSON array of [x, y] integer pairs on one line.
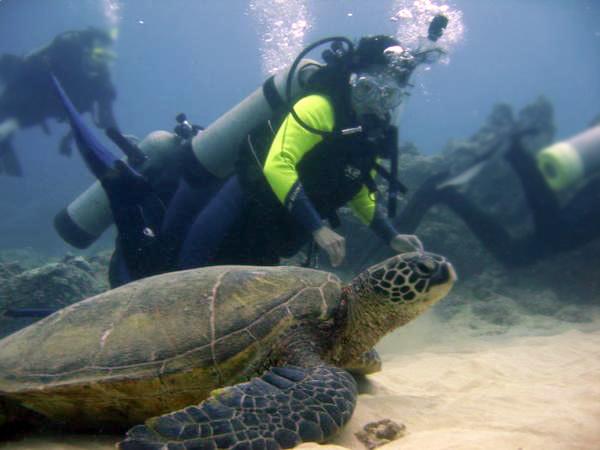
[[388, 295], [397, 290], [410, 279]]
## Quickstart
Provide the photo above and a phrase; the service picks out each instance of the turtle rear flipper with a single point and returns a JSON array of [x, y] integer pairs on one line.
[[281, 409]]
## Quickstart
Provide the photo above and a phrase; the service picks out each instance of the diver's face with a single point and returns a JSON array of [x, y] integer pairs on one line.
[[375, 91], [99, 57]]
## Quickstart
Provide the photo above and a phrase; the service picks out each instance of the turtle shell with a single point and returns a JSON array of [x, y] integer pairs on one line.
[[159, 344]]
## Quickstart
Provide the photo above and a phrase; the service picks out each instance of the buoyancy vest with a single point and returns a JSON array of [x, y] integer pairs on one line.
[[332, 172]]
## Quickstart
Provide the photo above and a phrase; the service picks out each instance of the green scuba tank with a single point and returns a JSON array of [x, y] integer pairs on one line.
[[83, 221], [567, 163]]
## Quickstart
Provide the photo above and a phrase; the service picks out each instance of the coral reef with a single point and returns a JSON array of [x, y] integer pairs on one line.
[[52, 285]]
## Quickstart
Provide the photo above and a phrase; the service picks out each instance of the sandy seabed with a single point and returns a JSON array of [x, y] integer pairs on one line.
[[453, 390]]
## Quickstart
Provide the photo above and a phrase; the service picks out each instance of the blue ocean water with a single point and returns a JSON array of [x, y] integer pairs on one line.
[[202, 57]]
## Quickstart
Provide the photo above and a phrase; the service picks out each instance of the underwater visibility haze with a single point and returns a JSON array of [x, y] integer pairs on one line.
[[497, 154]]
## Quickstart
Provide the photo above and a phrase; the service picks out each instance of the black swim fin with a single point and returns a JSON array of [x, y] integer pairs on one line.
[[9, 164]]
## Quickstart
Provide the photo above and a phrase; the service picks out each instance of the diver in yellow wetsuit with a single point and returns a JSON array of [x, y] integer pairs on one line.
[[296, 170]]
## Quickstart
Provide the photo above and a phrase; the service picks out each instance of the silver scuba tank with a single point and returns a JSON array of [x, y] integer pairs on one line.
[[84, 220], [567, 163]]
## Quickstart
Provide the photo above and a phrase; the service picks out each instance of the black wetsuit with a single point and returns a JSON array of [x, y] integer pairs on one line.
[[27, 93]]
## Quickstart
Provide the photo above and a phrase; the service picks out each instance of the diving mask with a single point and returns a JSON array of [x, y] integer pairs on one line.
[[376, 91], [102, 55]]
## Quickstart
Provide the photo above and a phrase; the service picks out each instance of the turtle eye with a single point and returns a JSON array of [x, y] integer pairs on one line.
[[425, 268]]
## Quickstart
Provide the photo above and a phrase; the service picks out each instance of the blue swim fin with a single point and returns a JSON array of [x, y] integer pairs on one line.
[[137, 209], [96, 156]]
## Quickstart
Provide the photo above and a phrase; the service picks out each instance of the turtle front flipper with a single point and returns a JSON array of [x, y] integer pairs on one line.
[[281, 409]]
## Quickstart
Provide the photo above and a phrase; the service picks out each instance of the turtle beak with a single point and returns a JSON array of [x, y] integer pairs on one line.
[[444, 274]]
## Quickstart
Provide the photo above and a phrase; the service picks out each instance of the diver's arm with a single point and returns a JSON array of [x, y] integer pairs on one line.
[[105, 115], [106, 94], [365, 208], [291, 143]]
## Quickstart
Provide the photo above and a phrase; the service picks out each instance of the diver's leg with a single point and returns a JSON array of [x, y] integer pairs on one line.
[[211, 226], [137, 210], [578, 222], [137, 214], [425, 197], [118, 274], [183, 208], [428, 194], [9, 163], [541, 200], [509, 251]]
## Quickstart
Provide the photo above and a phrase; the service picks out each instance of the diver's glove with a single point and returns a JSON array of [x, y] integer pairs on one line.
[[332, 243], [403, 243]]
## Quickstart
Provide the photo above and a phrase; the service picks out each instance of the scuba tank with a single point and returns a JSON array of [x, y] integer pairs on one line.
[[83, 221], [567, 163]]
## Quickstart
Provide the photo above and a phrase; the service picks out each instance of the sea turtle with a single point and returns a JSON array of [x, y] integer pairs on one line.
[[247, 357]]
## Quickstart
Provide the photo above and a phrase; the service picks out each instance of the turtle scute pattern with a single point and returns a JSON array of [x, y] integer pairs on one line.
[[403, 280], [281, 409]]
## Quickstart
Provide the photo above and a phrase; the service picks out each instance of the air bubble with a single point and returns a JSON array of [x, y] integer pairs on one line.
[[282, 27]]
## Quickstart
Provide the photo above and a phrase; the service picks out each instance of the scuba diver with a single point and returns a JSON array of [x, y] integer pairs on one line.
[[297, 169], [308, 142], [561, 185], [80, 59]]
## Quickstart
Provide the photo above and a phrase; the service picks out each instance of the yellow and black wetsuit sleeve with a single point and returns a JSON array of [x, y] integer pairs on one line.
[[292, 141], [364, 206]]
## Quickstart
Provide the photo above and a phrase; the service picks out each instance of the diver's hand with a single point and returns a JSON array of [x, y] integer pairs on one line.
[[332, 243], [403, 243]]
